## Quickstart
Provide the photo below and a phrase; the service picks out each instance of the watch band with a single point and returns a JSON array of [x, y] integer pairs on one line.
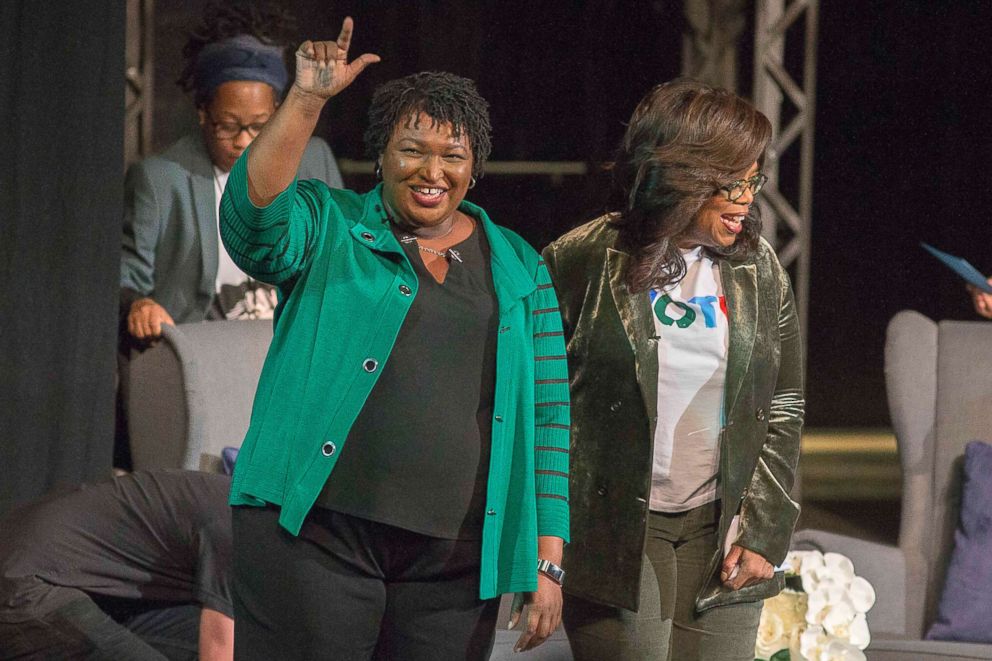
[[551, 570]]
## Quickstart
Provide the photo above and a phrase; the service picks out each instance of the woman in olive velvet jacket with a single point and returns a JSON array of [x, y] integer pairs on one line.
[[683, 450]]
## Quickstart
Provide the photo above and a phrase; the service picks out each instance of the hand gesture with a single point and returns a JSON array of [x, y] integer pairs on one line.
[[543, 613], [145, 319], [981, 300], [322, 67], [743, 567]]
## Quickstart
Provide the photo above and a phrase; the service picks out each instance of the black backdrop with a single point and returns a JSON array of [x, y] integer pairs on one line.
[[903, 137], [61, 170], [902, 155]]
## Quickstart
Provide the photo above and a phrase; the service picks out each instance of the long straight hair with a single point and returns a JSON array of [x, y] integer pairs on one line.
[[684, 141]]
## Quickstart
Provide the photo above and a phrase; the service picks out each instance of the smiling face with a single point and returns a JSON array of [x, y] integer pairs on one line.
[[236, 103], [719, 221], [425, 173]]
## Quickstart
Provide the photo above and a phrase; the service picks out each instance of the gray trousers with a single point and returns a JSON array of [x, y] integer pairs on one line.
[[667, 626]]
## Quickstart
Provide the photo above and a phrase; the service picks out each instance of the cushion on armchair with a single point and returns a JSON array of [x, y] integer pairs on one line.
[[965, 609]]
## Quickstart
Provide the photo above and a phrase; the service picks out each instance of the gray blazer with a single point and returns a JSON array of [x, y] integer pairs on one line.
[[170, 224]]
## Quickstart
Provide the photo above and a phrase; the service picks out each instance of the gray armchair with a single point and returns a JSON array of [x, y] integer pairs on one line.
[[191, 394], [939, 383]]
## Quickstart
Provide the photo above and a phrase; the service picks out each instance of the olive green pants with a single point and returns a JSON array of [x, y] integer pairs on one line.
[[667, 626]]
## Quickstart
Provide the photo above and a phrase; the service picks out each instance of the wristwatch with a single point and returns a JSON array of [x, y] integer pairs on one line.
[[551, 570]]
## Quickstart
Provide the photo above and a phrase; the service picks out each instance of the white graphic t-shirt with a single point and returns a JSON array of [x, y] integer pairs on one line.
[[690, 320], [238, 296]]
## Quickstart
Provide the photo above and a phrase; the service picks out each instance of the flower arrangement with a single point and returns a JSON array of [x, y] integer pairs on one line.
[[820, 616]]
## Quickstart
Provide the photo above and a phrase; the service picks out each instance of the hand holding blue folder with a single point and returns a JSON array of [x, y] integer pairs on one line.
[[962, 267]]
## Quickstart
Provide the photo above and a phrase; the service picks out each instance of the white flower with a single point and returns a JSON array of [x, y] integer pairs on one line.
[[822, 600], [794, 561], [840, 566], [859, 632], [862, 594], [812, 641], [824, 622], [771, 636], [810, 563], [837, 621], [795, 642], [838, 650]]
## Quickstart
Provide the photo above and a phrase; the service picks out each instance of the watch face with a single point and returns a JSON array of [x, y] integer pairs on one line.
[[551, 570]]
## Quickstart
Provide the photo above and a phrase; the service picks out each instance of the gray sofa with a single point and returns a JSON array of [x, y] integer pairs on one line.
[[939, 382], [190, 395]]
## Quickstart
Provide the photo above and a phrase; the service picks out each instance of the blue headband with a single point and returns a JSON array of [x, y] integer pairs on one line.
[[239, 58]]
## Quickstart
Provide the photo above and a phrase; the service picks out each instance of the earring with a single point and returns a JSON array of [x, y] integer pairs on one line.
[[378, 169], [471, 183]]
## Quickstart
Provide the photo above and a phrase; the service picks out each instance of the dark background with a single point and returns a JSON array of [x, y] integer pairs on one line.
[[901, 156], [902, 144], [61, 146]]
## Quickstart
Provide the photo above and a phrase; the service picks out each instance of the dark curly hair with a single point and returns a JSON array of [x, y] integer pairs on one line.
[[266, 21], [445, 98], [684, 141]]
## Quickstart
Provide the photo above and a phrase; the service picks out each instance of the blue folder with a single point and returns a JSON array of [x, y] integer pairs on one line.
[[962, 267]]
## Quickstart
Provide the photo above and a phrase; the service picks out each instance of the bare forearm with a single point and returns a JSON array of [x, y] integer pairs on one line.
[[276, 153], [216, 636], [550, 548]]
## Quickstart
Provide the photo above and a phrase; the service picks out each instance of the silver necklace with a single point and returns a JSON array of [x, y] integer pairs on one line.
[[449, 253]]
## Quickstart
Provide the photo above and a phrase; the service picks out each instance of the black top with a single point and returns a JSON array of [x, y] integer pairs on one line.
[[158, 536], [417, 457]]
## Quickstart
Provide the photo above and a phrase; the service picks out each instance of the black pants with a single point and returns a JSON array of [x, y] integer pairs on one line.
[[348, 588]]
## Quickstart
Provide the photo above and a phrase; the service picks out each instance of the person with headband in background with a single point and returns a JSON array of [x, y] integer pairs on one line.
[[173, 269]]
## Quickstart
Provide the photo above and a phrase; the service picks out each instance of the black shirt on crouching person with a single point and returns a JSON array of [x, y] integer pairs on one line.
[[121, 568]]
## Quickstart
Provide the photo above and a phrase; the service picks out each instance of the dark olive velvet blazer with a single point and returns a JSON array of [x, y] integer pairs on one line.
[[613, 365]]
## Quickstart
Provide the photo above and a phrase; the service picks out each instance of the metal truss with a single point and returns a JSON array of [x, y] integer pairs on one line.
[[790, 106], [138, 80], [709, 53], [709, 49]]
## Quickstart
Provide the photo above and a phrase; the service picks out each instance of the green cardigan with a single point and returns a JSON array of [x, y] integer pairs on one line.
[[346, 286]]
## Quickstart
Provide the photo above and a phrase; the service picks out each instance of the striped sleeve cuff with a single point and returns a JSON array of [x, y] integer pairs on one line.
[[263, 241], [552, 410]]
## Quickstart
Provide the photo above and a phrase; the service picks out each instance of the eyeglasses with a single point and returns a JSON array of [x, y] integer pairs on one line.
[[735, 190], [231, 130]]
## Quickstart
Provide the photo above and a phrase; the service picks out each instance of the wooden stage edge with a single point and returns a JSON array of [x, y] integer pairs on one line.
[[850, 464]]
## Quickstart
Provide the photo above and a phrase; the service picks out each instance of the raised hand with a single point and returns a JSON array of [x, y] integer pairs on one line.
[[322, 67]]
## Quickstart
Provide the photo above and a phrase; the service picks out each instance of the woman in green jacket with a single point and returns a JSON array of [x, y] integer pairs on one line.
[[407, 458], [687, 394]]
